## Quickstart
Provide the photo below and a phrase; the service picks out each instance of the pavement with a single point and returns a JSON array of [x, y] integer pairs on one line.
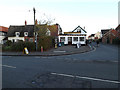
[[64, 50]]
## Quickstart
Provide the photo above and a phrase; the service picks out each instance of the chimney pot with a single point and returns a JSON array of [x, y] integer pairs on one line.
[[25, 22]]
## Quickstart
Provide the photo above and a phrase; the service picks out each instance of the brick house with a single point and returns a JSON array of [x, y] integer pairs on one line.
[[3, 34], [109, 36], [118, 31]]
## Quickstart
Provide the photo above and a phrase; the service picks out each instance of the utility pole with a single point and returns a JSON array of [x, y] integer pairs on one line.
[[35, 29]]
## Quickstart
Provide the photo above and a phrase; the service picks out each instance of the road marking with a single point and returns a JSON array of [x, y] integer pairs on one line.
[[59, 51], [37, 57], [115, 61], [95, 79], [7, 66], [63, 75]]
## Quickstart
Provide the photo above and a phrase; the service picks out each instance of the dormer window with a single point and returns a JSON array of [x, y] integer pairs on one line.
[[17, 34], [25, 33]]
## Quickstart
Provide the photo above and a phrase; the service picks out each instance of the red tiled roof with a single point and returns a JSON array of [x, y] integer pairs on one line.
[[118, 28], [4, 29]]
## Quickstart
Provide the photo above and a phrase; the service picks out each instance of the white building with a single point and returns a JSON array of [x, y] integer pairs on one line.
[[78, 35], [98, 35]]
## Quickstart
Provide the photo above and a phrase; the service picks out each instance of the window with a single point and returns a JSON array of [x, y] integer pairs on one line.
[[62, 39], [25, 33], [48, 33], [75, 38], [17, 34], [81, 38]]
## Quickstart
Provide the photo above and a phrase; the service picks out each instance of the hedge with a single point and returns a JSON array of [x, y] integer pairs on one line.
[[19, 46]]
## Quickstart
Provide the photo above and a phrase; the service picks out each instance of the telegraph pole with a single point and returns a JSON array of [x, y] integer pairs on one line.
[[35, 29]]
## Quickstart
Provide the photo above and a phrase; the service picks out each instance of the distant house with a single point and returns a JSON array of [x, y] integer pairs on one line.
[[3, 34], [91, 37], [103, 31], [98, 35], [78, 35], [109, 36]]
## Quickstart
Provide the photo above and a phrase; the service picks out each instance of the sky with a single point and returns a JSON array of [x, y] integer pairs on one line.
[[94, 15]]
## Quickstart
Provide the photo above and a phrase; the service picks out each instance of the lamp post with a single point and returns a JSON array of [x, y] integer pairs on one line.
[[35, 29]]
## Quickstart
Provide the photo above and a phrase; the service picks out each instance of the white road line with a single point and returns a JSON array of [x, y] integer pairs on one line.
[[37, 57], [115, 61], [59, 51], [63, 75], [95, 79], [7, 66]]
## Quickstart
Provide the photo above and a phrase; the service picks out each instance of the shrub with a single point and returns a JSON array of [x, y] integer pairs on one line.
[[46, 42], [8, 43], [19, 46], [30, 46], [6, 48]]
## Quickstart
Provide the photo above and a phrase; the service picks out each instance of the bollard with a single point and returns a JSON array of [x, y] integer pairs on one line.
[[26, 50], [41, 48], [55, 45]]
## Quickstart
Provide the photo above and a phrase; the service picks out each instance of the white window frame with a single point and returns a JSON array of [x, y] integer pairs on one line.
[[26, 34], [17, 34]]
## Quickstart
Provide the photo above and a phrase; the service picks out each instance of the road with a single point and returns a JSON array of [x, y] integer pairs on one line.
[[99, 66]]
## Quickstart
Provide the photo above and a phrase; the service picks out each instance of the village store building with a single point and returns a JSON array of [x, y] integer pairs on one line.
[[78, 35]]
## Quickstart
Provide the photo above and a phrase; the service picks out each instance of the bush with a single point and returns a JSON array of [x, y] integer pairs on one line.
[[8, 43], [6, 48], [30, 46], [46, 42], [19, 46]]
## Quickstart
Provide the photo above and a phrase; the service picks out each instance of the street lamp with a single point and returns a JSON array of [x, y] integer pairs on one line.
[[35, 29]]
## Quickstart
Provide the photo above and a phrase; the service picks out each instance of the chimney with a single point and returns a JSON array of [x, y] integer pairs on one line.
[[25, 22]]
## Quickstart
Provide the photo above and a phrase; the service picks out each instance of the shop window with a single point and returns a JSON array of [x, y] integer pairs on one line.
[[81, 39], [62, 39], [75, 38]]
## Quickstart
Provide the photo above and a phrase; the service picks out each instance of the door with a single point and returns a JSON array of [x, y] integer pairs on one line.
[[70, 40]]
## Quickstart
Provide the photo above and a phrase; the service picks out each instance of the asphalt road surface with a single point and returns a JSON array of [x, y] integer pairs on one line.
[[99, 67]]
